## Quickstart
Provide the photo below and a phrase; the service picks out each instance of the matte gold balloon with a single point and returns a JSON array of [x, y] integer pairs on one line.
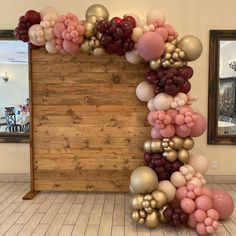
[[192, 47], [188, 143], [90, 29], [161, 215], [135, 215], [91, 19], [152, 220], [136, 201], [155, 64], [169, 47], [170, 156], [85, 47], [160, 197], [146, 204], [156, 146], [97, 10], [98, 51], [147, 146], [143, 180], [183, 155], [178, 142]]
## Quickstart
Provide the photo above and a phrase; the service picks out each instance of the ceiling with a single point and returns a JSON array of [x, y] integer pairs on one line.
[[13, 52]]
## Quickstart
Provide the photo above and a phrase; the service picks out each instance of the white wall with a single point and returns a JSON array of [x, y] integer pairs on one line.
[[187, 16]]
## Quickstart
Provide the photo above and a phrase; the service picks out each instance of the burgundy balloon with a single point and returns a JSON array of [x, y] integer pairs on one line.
[[161, 166], [33, 17], [131, 20], [186, 87]]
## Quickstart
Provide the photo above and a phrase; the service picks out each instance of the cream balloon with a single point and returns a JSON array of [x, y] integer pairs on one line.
[[162, 101], [150, 105], [143, 180], [35, 32], [144, 91], [154, 15], [51, 46], [177, 179], [132, 57], [48, 10], [199, 163], [137, 33], [192, 47], [168, 188]]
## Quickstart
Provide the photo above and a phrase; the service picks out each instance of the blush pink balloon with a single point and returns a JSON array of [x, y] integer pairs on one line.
[[201, 229], [213, 214], [199, 125], [191, 221], [150, 118], [155, 133], [200, 215], [222, 203], [150, 46], [163, 32], [182, 133], [173, 113], [168, 131], [58, 29], [70, 46], [207, 192], [187, 205], [181, 193], [203, 202]]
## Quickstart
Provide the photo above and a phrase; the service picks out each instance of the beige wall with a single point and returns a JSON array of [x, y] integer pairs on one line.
[[187, 16]]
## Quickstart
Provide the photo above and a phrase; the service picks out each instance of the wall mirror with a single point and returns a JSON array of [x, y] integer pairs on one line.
[[14, 89], [222, 87]]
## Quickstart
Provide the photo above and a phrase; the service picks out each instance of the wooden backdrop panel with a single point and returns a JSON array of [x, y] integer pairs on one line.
[[88, 127]]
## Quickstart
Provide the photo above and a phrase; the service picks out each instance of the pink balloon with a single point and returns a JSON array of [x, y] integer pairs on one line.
[[222, 203], [207, 192], [187, 205], [201, 229], [181, 193], [191, 221], [150, 46], [58, 29], [155, 133], [200, 215], [168, 131], [213, 214], [173, 113], [70, 46], [199, 125], [163, 32], [182, 133], [203, 202]]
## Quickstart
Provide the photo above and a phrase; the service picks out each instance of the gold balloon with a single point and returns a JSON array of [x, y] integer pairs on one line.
[[98, 51], [178, 142], [90, 29], [183, 155], [92, 19], [143, 180], [192, 47], [85, 47], [148, 209], [148, 197], [182, 54], [147, 146], [170, 156], [179, 64], [153, 204], [161, 213], [146, 204], [160, 197], [167, 56], [169, 47], [98, 35], [166, 64], [141, 221], [175, 55], [97, 10], [156, 146], [152, 220], [135, 215], [188, 143], [131, 190], [142, 213], [136, 202], [155, 64]]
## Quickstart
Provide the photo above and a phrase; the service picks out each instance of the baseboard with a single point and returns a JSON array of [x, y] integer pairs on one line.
[[221, 179], [14, 177]]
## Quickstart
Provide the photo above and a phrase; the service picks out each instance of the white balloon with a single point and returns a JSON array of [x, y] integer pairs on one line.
[[155, 14], [144, 91], [163, 101], [133, 57], [150, 105]]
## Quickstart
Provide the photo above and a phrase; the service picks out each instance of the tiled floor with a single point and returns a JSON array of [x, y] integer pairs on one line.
[[81, 214]]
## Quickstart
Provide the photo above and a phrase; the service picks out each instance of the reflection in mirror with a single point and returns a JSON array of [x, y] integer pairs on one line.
[[226, 99], [14, 89]]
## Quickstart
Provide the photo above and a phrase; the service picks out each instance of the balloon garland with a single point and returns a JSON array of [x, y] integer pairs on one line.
[[170, 187]]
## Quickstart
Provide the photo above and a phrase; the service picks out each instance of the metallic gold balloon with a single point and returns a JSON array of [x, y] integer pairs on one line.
[[92, 19], [183, 155], [135, 215], [156, 146], [175, 55], [98, 35], [179, 64], [182, 54], [143, 213], [160, 197], [148, 197], [85, 47], [155, 64], [90, 29], [143, 180], [147, 146], [153, 204], [161, 215], [167, 56], [98, 51], [97, 10], [145, 204], [170, 156], [148, 209], [166, 64], [141, 221], [178, 142], [131, 190], [136, 201], [169, 47], [152, 220], [192, 47], [188, 143]]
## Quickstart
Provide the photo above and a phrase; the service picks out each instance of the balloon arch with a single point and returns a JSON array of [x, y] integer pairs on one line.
[[170, 187]]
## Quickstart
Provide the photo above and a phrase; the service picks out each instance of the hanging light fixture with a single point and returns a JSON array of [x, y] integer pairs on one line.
[[5, 77]]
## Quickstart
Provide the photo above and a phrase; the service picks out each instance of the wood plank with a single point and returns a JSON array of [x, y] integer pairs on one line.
[[73, 214], [66, 230], [56, 225], [4, 227], [14, 230], [95, 215], [109, 203], [130, 226], [51, 213], [105, 225], [40, 230], [88, 203], [81, 225], [7, 212], [67, 204], [118, 230], [92, 230], [119, 214]]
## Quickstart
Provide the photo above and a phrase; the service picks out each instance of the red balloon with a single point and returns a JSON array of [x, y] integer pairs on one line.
[[117, 19], [222, 203]]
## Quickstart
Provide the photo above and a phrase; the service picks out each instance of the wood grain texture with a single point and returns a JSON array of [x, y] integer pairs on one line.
[[88, 126]]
